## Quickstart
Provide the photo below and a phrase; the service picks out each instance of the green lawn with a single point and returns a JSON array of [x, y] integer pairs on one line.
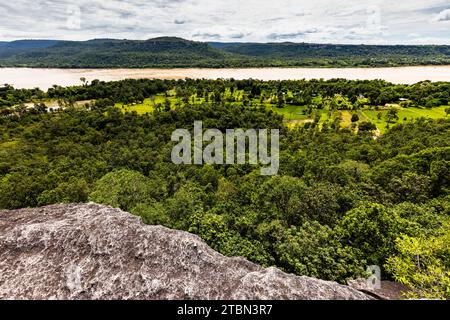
[[404, 115], [147, 106], [346, 119], [296, 115], [290, 112]]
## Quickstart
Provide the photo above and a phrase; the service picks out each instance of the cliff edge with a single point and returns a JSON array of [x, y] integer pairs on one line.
[[89, 251]]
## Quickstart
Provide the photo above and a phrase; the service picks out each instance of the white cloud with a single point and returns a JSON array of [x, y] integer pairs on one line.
[[443, 16], [344, 21]]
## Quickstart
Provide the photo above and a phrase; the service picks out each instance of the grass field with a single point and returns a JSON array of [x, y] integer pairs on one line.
[[404, 115], [147, 106], [295, 115], [291, 112]]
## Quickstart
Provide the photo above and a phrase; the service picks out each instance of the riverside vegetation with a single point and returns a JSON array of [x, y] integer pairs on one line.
[[364, 169]]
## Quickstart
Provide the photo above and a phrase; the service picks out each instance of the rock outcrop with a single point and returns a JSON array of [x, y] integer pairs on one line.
[[88, 251], [388, 290]]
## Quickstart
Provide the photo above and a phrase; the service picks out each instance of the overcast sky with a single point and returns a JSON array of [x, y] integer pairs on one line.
[[328, 21]]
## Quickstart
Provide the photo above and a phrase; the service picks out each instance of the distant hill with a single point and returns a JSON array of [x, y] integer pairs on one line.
[[8, 49], [102, 53], [176, 52], [28, 44], [308, 50], [309, 54]]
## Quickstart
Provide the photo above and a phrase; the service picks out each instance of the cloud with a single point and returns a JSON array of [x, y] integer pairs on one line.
[[237, 36], [292, 35], [218, 36], [331, 21], [207, 35], [443, 16]]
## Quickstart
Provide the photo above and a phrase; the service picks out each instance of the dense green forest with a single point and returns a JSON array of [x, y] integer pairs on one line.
[[343, 199], [167, 52], [317, 55]]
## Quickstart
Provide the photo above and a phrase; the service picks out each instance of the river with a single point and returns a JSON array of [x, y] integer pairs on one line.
[[46, 78]]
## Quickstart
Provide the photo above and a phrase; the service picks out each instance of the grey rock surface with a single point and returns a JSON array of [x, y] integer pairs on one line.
[[88, 251], [387, 290]]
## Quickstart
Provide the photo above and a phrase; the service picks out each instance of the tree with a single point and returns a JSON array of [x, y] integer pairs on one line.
[[411, 187], [167, 105], [188, 200], [126, 189], [153, 214], [361, 102], [340, 102], [391, 115], [372, 228], [284, 194], [280, 99], [214, 229], [73, 191], [440, 176], [422, 263], [40, 107], [313, 250], [21, 109], [431, 103], [367, 126]]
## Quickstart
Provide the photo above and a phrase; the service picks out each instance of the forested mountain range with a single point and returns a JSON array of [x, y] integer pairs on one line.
[[176, 52]]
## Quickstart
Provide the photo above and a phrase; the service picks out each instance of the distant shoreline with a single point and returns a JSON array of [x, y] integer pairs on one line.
[[221, 68]]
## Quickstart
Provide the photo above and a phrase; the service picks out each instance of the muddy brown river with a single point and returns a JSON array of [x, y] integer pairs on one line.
[[46, 78]]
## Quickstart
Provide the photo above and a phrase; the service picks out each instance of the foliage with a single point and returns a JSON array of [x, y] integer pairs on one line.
[[314, 249], [343, 198], [124, 188], [176, 52], [423, 264]]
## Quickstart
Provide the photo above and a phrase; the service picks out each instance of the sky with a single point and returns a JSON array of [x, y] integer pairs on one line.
[[317, 21]]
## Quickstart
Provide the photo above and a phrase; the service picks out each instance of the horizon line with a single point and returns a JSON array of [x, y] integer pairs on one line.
[[225, 42]]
